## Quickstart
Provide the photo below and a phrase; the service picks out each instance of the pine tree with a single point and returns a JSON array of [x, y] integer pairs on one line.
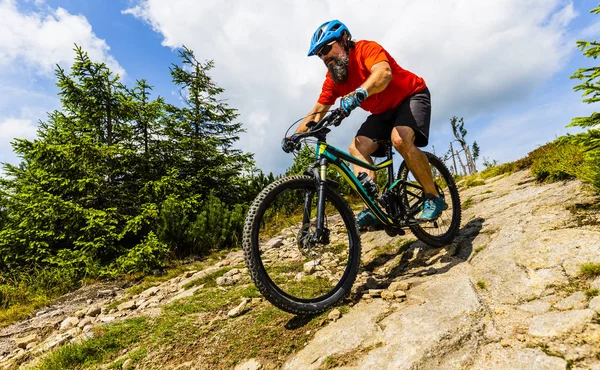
[[591, 93], [204, 132]]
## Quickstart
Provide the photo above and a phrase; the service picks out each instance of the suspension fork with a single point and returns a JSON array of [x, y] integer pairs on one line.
[[321, 234]]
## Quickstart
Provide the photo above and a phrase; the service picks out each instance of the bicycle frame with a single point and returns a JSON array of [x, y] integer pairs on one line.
[[330, 155]]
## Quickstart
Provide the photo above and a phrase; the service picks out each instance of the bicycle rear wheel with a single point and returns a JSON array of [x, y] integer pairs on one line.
[[444, 229], [292, 270]]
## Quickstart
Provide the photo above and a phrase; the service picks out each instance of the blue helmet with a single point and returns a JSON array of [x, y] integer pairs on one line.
[[327, 32]]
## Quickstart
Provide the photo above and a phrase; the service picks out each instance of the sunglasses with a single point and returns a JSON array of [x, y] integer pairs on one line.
[[325, 49]]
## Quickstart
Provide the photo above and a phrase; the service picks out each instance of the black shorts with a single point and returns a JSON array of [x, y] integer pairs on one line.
[[413, 112]]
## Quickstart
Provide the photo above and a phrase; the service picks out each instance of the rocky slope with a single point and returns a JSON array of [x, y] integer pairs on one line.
[[508, 294]]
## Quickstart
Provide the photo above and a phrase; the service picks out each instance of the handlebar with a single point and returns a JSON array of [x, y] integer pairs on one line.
[[317, 129]]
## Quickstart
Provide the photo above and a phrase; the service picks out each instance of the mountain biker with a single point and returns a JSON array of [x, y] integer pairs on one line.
[[364, 74]]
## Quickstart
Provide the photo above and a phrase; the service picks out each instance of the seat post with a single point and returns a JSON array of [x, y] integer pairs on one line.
[[389, 153]]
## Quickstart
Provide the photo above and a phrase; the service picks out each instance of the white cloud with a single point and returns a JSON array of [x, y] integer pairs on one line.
[[475, 55], [39, 40], [20, 128], [31, 44]]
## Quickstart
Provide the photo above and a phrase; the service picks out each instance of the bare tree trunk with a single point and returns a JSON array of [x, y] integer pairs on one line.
[[461, 164], [453, 159]]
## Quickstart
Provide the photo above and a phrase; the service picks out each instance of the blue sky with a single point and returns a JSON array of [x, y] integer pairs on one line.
[[503, 65]]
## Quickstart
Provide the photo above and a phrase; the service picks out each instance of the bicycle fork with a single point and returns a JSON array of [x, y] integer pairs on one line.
[[321, 234]]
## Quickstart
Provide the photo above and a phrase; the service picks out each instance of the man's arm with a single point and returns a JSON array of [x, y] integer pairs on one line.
[[381, 75], [316, 114]]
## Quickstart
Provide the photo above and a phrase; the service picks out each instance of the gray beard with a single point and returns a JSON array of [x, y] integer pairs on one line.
[[339, 69]]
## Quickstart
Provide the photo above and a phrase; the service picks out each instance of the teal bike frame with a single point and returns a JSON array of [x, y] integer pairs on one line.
[[330, 155]]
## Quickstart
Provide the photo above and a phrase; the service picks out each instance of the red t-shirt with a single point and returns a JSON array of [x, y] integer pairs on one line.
[[361, 59]]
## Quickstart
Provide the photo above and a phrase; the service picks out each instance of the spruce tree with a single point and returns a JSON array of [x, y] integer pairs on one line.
[[591, 93]]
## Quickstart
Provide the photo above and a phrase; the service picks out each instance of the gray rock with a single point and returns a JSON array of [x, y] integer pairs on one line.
[[399, 285], [406, 337], [251, 364], [496, 357], [68, 323], [80, 313], [595, 284], [576, 301], [129, 305], [386, 294], [106, 293], [310, 267], [94, 311], [334, 315], [24, 341], [375, 292], [595, 304], [107, 319], [239, 309], [187, 293], [85, 321], [225, 281], [554, 324], [150, 292]]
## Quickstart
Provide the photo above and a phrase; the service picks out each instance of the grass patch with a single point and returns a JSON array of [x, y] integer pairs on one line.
[[478, 249], [473, 182], [467, 203], [591, 292], [106, 345], [590, 269], [22, 293], [482, 284]]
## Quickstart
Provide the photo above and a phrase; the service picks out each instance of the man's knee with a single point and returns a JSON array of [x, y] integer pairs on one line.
[[403, 138]]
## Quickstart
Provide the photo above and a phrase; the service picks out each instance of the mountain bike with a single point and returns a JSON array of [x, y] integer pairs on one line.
[[300, 239]]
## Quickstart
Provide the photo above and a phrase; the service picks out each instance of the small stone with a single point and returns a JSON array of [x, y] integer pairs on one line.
[[150, 292], [126, 364], [386, 294], [129, 305], [299, 276], [334, 315], [107, 319], [225, 281], [251, 364], [79, 314], [595, 284], [400, 294], [575, 301], [186, 275], [23, 342], [93, 311], [31, 345], [87, 328], [595, 304], [310, 267], [85, 321], [89, 302], [375, 292], [106, 293], [68, 323], [239, 309], [399, 285], [256, 301]]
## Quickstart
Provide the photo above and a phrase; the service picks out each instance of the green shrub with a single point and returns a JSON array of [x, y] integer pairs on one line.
[[557, 161], [144, 257]]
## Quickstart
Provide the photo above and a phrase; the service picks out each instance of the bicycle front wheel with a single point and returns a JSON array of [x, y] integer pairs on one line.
[[293, 268], [444, 229]]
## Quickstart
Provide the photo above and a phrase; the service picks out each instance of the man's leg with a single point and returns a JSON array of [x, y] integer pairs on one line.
[[403, 139], [362, 147]]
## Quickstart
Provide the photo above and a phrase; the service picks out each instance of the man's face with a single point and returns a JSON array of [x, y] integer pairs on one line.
[[336, 61]]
